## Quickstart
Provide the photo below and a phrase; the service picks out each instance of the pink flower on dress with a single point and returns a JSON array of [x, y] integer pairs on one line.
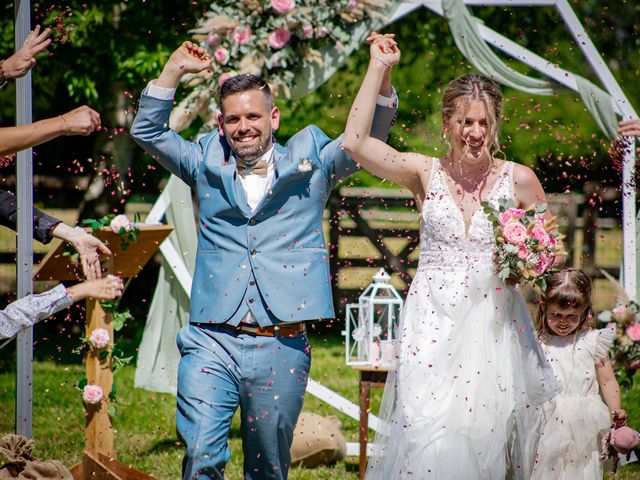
[[92, 394], [633, 331], [119, 222], [322, 32], [514, 233], [279, 38], [241, 34], [221, 55], [541, 235], [307, 30], [283, 6], [510, 215], [99, 338]]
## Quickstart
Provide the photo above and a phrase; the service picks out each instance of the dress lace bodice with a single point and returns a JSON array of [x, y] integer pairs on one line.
[[443, 240]]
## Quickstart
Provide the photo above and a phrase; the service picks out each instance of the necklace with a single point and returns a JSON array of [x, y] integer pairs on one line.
[[468, 184]]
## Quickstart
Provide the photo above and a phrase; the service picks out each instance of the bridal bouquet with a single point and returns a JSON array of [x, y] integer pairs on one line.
[[527, 244]]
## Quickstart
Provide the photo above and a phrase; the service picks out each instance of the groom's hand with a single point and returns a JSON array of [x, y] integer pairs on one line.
[[384, 48], [188, 58]]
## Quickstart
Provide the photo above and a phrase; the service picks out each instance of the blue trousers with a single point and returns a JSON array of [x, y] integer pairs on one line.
[[220, 370]]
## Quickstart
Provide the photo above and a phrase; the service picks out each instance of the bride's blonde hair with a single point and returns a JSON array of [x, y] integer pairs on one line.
[[469, 88]]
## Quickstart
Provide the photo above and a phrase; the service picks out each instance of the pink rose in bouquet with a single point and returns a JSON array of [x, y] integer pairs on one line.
[[283, 6], [279, 38], [511, 214], [322, 32], [541, 235], [92, 394], [307, 30], [514, 233], [525, 244]]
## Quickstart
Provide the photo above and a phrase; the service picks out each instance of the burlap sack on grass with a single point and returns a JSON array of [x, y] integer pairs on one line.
[[317, 440], [16, 458]]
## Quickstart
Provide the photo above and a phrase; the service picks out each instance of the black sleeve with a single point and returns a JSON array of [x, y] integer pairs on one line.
[[43, 224]]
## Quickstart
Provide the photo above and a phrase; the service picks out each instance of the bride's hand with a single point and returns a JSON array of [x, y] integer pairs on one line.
[[384, 48]]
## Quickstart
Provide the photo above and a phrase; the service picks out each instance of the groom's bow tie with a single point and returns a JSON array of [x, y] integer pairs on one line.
[[257, 168]]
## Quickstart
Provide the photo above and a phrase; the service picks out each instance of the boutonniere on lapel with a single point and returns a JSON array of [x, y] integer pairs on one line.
[[305, 165]]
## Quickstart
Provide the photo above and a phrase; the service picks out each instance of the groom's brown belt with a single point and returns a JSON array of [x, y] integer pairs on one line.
[[282, 330]]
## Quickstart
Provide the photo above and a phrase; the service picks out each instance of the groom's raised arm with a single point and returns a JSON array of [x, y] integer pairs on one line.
[[150, 128]]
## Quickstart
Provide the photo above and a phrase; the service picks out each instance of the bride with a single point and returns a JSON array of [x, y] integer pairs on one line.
[[464, 401]]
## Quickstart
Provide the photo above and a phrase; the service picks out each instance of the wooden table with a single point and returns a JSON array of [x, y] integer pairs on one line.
[[370, 376]]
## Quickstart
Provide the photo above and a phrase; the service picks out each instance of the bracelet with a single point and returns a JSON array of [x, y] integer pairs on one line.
[[67, 128]]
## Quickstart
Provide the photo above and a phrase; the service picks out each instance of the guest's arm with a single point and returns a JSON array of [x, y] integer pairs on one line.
[[32, 308], [80, 121]]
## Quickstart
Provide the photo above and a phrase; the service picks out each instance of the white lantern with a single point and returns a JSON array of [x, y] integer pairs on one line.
[[372, 324]]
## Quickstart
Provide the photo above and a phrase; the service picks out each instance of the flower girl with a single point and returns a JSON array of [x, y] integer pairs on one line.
[[589, 400]]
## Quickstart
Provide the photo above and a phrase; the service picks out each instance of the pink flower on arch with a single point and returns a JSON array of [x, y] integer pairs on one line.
[[279, 38], [322, 32], [99, 338], [241, 34], [307, 30], [633, 331], [283, 6], [92, 394], [514, 233], [221, 55]]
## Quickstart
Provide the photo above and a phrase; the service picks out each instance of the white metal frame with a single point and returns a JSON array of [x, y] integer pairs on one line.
[[621, 106]]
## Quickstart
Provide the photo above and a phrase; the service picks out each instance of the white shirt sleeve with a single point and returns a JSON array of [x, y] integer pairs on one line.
[[389, 102], [32, 308], [161, 93]]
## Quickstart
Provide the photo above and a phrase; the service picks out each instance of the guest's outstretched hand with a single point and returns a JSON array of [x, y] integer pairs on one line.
[[384, 48], [107, 288], [18, 64], [81, 121]]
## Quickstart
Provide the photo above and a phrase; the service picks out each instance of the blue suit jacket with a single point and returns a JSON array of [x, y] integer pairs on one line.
[[272, 261]]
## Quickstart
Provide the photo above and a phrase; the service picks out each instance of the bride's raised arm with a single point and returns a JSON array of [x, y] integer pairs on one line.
[[408, 169]]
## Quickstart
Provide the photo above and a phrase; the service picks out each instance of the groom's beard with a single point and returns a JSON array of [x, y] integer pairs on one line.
[[252, 150]]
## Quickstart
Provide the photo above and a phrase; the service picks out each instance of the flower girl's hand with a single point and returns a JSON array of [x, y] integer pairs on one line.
[[619, 418]]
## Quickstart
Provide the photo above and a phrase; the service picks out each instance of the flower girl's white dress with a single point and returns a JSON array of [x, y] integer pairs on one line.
[[464, 401], [570, 443]]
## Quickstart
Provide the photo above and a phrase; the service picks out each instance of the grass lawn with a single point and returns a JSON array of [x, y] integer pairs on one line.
[[144, 426]]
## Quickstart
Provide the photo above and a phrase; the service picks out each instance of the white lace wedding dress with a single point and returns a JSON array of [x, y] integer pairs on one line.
[[464, 399]]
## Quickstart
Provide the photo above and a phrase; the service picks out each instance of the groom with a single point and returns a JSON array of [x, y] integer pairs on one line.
[[262, 268]]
